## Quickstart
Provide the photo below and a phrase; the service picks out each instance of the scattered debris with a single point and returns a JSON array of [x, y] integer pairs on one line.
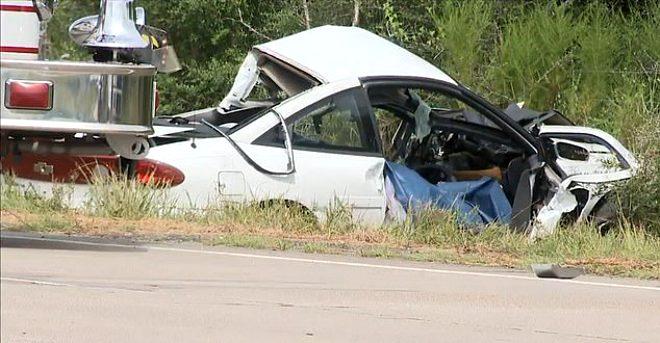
[[555, 271]]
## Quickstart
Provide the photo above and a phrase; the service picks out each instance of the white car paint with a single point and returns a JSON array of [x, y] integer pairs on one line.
[[360, 54], [629, 157], [600, 160], [595, 176], [216, 172], [333, 53]]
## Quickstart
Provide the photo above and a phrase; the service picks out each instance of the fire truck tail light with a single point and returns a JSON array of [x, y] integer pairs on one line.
[[29, 95]]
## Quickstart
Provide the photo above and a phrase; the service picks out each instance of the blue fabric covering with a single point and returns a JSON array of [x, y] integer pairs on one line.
[[476, 202]]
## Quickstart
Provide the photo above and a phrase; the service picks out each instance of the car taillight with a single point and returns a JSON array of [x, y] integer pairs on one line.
[[29, 95], [150, 172]]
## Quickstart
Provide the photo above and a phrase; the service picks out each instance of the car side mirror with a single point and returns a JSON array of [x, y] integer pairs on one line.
[[140, 16], [571, 151]]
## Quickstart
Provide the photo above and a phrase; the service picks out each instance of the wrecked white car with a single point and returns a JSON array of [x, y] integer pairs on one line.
[[341, 114]]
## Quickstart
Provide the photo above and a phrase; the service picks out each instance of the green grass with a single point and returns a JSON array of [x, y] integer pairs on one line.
[[461, 28], [126, 198], [431, 236], [14, 197], [319, 248], [246, 241]]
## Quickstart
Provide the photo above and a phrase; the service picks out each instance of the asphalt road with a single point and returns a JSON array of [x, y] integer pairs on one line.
[[56, 291]]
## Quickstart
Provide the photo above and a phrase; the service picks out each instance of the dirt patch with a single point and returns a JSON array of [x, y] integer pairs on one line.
[[370, 242]]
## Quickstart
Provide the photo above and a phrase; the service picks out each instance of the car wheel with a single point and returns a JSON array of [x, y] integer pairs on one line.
[[604, 215]]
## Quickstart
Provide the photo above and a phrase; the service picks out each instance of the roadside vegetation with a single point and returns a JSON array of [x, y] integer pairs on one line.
[[112, 211], [598, 62]]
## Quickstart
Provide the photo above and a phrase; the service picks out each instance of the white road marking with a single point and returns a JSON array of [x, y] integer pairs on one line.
[[35, 282], [61, 284], [338, 263]]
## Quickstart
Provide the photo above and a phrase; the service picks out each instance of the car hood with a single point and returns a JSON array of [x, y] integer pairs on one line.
[[526, 117], [323, 55], [529, 118], [331, 53]]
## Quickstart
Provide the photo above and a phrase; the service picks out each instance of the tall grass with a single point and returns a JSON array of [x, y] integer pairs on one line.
[[597, 65], [593, 74], [121, 197], [533, 54], [274, 215], [462, 28], [279, 224], [12, 196]]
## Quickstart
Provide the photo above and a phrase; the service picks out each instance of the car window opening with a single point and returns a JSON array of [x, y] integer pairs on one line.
[[455, 144], [290, 165], [340, 124], [262, 83]]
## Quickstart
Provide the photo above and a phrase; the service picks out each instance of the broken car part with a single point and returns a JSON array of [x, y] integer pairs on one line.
[[291, 166], [555, 271]]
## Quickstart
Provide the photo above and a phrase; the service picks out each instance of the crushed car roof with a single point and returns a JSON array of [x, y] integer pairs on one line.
[[331, 53]]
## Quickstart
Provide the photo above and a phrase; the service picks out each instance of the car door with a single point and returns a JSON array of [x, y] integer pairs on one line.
[[441, 107], [337, 155], [588, 153]]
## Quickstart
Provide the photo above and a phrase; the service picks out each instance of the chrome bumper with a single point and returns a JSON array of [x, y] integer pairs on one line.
[[102, 98]]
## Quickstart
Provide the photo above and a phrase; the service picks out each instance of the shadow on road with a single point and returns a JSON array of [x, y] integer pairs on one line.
[[62, 243]]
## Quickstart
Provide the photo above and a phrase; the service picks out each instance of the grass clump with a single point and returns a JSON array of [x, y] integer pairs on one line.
[[639, 198], [279, 215], [243, 241], [534, 53], [15, 196], [624, 251], [121, 197], [52, 207]]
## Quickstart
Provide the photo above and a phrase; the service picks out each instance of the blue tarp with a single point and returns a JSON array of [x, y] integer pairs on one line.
[[475, 202]]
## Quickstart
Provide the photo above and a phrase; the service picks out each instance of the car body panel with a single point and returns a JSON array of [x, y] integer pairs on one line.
[[607, 142], [586, 183], [328, 54], [332, 53], [322, 180], [348, 179]]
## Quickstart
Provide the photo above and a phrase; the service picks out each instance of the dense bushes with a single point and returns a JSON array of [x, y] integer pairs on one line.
[[596, 61], [597, 65]]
